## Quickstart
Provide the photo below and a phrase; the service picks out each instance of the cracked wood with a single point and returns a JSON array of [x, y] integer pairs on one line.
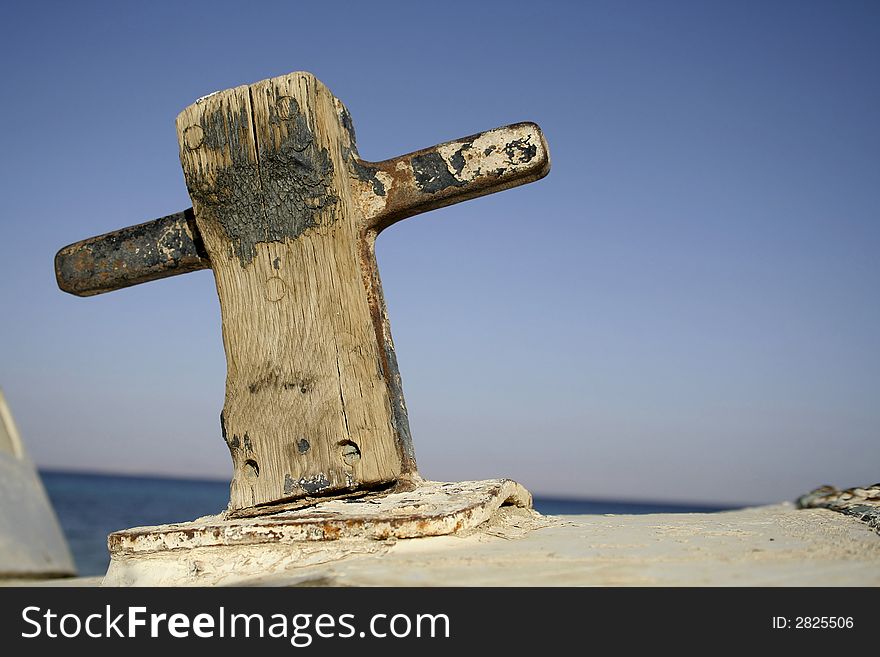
[[308, 408]]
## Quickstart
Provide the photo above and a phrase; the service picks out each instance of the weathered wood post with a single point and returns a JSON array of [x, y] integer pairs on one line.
[[286, 214]]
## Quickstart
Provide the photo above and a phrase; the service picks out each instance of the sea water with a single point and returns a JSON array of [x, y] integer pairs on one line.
[[90, 506]]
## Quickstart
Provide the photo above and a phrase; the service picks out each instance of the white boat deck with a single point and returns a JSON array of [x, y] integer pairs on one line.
[[763, 546]]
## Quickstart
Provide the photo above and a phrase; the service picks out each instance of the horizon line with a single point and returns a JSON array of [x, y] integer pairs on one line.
[[548, 497]]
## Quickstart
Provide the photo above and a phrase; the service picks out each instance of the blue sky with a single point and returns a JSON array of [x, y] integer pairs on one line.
[[684, 309]]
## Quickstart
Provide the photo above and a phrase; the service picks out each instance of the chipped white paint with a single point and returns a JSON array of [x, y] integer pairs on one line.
[[431, 178], [206, 96], [172, 241], [216, 548], [501, 151], [369, 203], [431, 509]]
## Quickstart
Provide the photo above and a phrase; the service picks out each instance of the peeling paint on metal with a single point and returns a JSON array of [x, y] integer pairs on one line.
[[369, 174], [138, 254], [276, 197], [496, 152], [432, 174]]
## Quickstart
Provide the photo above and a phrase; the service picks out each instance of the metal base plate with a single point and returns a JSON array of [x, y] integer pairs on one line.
[[222, 550]]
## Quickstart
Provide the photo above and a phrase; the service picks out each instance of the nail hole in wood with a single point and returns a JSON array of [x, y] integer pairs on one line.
[[351, 453], [251, 469]]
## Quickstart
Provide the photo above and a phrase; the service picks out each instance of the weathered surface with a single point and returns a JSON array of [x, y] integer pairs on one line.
[[287, 214], [206, 550], [766, 546], [138, 254], [308, 407], [449, 173], [31, 542]]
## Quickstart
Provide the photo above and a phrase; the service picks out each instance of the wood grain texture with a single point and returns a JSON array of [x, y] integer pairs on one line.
[[288, 214], [308, 408]]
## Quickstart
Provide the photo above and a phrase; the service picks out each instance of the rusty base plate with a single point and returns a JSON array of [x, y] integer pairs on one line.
[[221, 549]]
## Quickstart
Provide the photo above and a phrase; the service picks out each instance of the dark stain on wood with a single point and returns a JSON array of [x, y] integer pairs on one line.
[[274, 379], [276, 197], [297, 176], [314, 484], [347, 123], [388, 358], [366, 173], [231, 195]]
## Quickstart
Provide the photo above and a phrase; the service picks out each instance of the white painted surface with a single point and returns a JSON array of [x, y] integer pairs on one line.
[[31, 542], [222, 550], [765, 546]]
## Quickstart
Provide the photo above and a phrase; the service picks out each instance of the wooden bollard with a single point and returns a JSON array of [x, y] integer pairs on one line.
[[286, 215]]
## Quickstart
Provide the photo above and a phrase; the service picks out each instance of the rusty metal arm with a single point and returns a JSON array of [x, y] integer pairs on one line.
[[146, 252], [452, 172]]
